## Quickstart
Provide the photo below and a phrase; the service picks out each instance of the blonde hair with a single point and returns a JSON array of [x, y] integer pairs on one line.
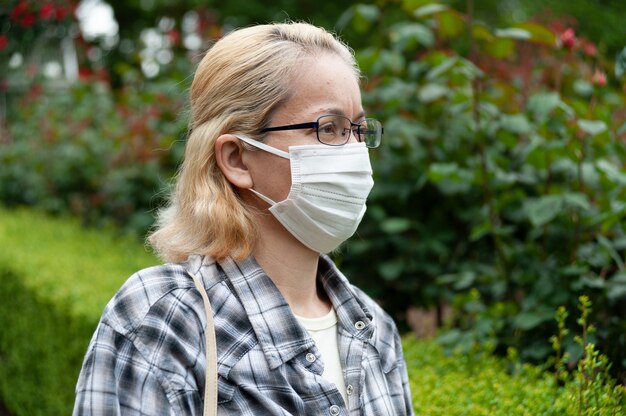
[[240, 82]]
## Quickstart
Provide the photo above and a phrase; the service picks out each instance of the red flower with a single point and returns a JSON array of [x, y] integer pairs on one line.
[[174, 37], [84, 73], [568, 38], [590, 49], [47, 11], [599, 78], [28, 20], [4, 41], [19, 9], [61, 12]]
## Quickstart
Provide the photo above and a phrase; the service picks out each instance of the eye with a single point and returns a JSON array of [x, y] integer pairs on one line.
[[328, 128]]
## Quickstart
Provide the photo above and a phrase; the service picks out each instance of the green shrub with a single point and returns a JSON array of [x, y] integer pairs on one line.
[[55, 279], [500, 184], [480, 384], [98, 154]]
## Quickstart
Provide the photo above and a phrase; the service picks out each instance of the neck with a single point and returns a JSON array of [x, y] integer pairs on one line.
[[292, 267]]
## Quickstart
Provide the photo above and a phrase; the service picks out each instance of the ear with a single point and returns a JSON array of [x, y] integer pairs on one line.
[[229, 157]]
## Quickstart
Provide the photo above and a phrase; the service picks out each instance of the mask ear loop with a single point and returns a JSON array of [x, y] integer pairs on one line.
[[263, 197], [267, 148], [263, 146]]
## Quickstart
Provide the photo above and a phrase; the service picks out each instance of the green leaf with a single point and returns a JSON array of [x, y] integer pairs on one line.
[[620, 242], [544, 209], [611, 172], [501, 48], [440, 171], [480, 231], [450, 24], [576, 200], [391, 270], [408, 35], [450, 337], [465, 280], [442, 68], [608, 245], [481, 32], [593, 282], [592, 127], [390, 61], [542, 104], [450, 178], [361, 16], [620, 64], [622, 129], [460, 281], [538, 33], [513, 33], [411, 5], [432, 92], [583, 88], [619, 277], [368, 12], [395, 225], [516, 123], [616, 292], [530, 320], [429, 10]]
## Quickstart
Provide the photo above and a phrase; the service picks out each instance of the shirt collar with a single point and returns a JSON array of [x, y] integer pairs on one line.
[[352, 314], [278, 331]]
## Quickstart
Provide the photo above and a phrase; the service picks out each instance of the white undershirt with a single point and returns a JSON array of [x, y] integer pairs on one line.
[[324, 332]]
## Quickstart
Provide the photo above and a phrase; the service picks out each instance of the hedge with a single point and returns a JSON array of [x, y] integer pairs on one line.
[[483, 384], [55, 278]]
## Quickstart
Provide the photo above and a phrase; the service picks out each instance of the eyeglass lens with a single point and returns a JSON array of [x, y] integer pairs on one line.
[[335, 131]]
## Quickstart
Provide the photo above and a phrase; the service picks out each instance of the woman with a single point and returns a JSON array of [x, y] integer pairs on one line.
[[276, 173]]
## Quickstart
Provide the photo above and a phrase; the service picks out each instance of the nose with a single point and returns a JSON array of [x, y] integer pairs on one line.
[[353, 136]]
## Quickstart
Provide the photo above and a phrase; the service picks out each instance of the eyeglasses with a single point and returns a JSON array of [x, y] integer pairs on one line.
[[335, 130]]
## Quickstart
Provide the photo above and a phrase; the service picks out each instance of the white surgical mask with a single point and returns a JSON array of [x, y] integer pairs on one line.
[[329, 187]]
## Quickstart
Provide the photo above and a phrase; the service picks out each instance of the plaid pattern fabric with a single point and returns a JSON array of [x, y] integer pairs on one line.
[[147, 356]]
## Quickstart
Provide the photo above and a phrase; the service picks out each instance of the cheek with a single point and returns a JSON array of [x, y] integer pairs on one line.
[[280, 180], [272, 177]]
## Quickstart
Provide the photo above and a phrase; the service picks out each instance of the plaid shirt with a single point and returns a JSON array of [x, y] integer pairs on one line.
[[147, 356]]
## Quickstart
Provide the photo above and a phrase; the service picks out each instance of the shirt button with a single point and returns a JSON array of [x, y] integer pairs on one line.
[[334, 410], [349, 389], [310, 357], [359, 325]]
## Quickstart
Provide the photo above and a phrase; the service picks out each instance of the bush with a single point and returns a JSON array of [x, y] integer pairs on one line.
[[55, 279], [500, 185], [480, 384], [103, 156]]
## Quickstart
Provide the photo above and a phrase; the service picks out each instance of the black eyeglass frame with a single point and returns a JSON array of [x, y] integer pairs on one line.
[[316, 125]]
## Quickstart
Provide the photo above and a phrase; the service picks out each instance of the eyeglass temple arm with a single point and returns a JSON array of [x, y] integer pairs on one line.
[[312, 125], [382, 131]]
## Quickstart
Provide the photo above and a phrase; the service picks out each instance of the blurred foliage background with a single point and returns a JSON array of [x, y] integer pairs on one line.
[[500, 188]]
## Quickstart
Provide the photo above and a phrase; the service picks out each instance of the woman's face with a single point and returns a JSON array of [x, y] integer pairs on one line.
[[325, 84]]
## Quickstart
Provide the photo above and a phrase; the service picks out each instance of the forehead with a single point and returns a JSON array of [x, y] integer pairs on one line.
[[324, 84]]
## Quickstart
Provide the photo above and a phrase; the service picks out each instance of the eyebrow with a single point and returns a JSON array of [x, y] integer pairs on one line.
[[339, 112]]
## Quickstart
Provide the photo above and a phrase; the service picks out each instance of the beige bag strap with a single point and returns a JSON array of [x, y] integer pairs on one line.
[[210, 386]]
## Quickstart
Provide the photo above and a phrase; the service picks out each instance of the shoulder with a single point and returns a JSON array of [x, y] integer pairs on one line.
[[149, 339], [155, 293]]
